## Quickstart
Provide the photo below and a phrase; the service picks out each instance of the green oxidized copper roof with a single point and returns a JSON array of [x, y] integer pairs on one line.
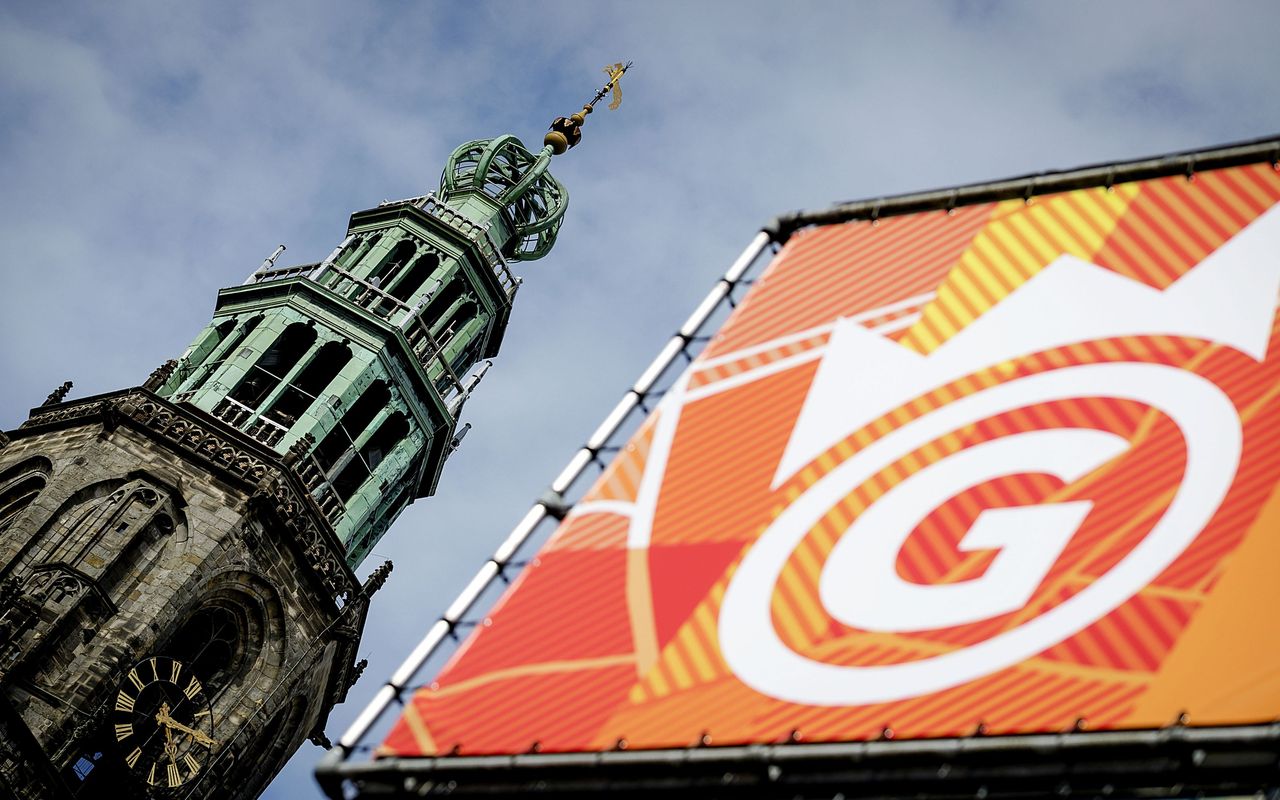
[[501, 185], [509, 187]]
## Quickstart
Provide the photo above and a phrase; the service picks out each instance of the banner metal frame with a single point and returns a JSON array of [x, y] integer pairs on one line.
[[336, 767]]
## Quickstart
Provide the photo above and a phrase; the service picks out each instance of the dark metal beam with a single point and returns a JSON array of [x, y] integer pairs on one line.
[[1168, 762], [1033, 185]]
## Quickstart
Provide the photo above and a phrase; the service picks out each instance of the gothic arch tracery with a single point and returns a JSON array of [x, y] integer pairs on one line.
[[81, 568], [19, 487], [231, 637]]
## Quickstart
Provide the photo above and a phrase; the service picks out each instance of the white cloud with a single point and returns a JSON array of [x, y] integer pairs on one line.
[[153, 153]]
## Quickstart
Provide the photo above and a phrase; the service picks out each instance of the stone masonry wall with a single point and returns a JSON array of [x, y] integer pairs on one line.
[[199, 540]]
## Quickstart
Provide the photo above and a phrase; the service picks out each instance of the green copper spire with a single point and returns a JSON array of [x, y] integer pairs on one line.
[[355, 369], [502, 186]]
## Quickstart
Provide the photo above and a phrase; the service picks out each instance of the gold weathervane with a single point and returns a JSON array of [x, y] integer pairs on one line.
[[567, 131], [614, 73]]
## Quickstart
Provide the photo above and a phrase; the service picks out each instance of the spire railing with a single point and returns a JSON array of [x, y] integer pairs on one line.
[[426, 348], [475, 232], [263, 276], [478, 234]]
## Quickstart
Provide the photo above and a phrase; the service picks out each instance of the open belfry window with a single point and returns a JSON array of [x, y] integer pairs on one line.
[[370, 455], [400, 255], [444, 301], [307, 386], [341, 439], [415, 276], [281, 357]]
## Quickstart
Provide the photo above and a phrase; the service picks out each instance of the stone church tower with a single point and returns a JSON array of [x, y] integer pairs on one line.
[[179, 608]]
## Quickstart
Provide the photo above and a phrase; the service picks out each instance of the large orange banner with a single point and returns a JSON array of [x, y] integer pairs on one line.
[[1011, 466]]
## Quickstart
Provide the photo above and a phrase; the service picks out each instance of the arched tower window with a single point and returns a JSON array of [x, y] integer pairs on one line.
[[415, 277], [231, 640], [281, 357], [370, 455], [209, 643], [442, 302], [19, 487], [344, 257], [237, 338], [399, 256], [339, 440], [303, 391], [458, 316]]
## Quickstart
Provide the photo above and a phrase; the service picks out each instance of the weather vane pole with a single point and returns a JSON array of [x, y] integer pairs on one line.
[[567, 131]]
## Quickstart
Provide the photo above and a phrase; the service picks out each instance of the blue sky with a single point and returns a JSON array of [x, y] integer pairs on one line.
[[151, 153]]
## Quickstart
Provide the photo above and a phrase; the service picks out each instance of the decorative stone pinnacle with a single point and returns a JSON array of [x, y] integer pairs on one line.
[[567, 131], [57, 395], [357, 671], [160, 375], [299, 449], [377, 578]]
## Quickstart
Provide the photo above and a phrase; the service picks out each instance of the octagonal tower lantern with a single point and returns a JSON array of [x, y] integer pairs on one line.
[[358, 366], [508, 187], [179, 603]]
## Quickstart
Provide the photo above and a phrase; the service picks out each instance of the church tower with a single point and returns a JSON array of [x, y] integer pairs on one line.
[[178, 606]]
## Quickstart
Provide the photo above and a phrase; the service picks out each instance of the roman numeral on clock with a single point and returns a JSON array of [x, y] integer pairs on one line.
[[175, 777], [191, 763], [192, 689], [124, 702], [123, 731]]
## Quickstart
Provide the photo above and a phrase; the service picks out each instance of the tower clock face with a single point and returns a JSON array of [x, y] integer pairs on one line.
[[163, 722]]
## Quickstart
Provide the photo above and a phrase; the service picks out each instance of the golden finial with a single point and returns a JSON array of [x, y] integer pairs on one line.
[[567, 131], [614, 73]]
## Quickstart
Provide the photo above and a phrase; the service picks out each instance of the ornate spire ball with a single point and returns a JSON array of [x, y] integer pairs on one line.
[[567, 131]]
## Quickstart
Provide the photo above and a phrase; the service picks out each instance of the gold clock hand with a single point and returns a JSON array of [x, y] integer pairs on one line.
[[170, 748], [169, 722]]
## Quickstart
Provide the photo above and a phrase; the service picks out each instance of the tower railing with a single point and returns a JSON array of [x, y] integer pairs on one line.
[[321, 488], [263, 276], [237, 414], [409, 319], [477, 233]]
